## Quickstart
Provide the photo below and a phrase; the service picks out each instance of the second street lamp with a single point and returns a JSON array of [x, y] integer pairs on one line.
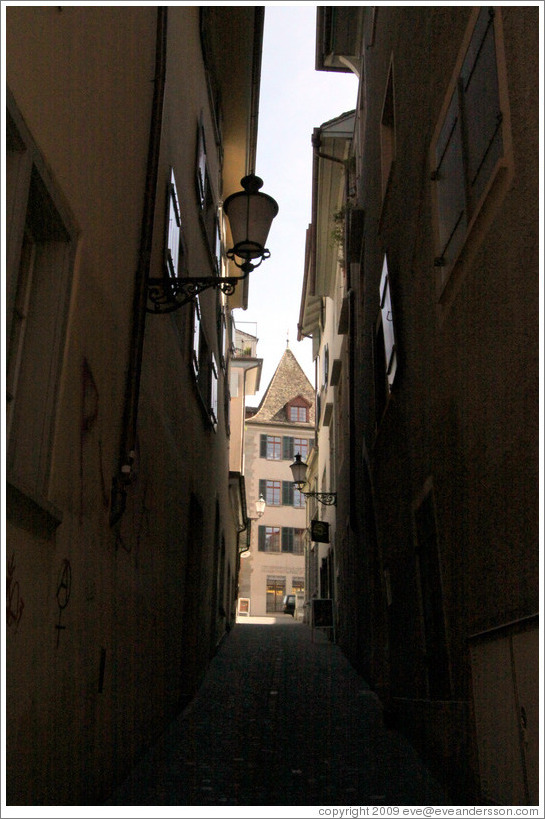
[[299, 473]]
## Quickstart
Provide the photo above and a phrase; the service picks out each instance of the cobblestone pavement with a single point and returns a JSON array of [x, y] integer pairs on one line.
[[280, 719]]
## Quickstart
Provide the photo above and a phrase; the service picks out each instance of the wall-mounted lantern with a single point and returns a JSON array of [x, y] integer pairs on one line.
[[299, 472], [250, 215]]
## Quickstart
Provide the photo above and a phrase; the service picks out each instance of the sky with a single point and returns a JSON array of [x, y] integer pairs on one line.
[[294, 99]]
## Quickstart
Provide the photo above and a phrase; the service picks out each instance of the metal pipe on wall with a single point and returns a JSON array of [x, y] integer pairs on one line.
[[132, 388]]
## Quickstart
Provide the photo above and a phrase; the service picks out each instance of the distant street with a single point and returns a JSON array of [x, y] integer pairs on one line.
[[281, 720]]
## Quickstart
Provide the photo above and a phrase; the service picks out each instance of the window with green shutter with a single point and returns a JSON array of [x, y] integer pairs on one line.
[[287, 539], [268, 539], [270, 491], [287, 448], [287, 493], [269, 447]]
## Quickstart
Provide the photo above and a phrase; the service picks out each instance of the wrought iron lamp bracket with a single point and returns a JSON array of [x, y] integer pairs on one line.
[[327, 498], [168, 294]]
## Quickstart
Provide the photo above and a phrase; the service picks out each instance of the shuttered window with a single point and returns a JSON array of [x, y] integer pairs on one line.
[[268, 539], [287, 539], [270, 491], [287, 448], [269, 447], [287, 493], [469, 148], [481, 106], [292, 540], [449, 176]]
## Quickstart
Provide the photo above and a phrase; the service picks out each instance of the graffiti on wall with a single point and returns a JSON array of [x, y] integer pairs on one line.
[[89, 416], [64, 587], [14, 602]]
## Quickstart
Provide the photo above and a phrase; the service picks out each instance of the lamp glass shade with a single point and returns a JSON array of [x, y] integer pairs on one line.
[[250, 215], [299, 470], [260, 505]]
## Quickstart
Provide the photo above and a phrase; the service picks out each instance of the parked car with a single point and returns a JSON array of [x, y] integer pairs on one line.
[[289, 604]]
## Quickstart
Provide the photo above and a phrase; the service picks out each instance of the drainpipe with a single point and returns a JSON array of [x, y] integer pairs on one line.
[[132, 387]]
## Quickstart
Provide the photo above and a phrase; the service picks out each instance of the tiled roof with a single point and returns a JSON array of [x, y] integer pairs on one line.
[[287, 384]]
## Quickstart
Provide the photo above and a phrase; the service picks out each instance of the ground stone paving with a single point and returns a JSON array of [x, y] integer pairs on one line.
[[282, 718]]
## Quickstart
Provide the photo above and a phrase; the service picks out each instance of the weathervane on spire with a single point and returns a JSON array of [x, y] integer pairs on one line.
[[288, 339]]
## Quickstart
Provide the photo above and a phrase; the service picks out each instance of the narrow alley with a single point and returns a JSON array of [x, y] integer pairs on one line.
[[280, 719]]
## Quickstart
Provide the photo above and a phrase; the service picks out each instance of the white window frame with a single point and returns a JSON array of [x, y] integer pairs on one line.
[[388, 330], [174, 238]]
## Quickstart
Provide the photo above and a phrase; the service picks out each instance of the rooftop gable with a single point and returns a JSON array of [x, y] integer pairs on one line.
[[289, 385]]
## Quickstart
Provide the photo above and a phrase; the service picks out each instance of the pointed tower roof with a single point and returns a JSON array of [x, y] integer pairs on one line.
[[289, 385]]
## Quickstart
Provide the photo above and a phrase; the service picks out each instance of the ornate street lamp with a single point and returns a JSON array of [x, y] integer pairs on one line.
[[299, 473], [250, 215]]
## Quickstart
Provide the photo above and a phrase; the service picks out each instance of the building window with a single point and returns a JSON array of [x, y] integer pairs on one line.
[[300, 446], [293, 540], [299, 500], [205, 370], [325, 366], [213, 392], [175, 253], [298, 415], [222, 337], [270, 491], [471, 155], [41, 243], [270, 447], [390, 351], [293, 446], [196, 336], [286, 539], [276, 589], [387, 132], [385, 348], [210, 218], [268, 539], [298, 585], [292, 496], [201, 165]]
